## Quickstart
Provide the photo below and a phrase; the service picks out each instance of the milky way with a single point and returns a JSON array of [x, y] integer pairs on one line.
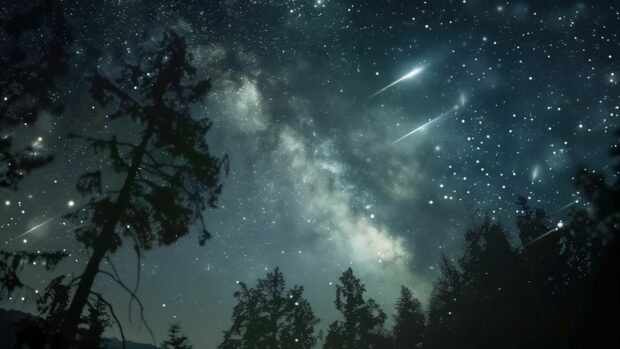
[[314, 186]]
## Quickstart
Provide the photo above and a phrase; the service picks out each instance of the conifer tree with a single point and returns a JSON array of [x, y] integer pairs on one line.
[[270, 316], [94, 324], [362, 324], [176, 340], [409, 326], [163, 173], [162, 161]]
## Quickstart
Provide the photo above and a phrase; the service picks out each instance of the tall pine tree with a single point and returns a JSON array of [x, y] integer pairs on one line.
[[484, 286], [167, 174], [362, 324], [446, 311], [409, 325]]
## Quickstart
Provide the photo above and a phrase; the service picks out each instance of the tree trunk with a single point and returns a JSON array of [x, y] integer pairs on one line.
[[102, 244]]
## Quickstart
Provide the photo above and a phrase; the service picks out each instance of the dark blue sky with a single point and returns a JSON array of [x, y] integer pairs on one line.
[[522, 93]]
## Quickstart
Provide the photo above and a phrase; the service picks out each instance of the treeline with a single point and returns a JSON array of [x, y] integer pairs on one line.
[[549, 284]]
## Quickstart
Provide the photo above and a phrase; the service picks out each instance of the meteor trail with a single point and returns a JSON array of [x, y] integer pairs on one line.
[[567, 206], [558, 227], [540, 237], [422, 126], [35, 227], [416, 71]]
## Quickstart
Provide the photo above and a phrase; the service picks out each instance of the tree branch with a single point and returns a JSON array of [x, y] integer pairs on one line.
[[118, 323], [133, 295]]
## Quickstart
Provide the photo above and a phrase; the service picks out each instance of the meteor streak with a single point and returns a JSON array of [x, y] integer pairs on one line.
[[35, 227], [416, 71], [567, 206], [540, 237], [558, 227], [422, 126]]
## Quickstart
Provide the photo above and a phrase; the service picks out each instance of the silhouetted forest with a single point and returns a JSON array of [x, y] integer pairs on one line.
[[547, 284], [543, 284]]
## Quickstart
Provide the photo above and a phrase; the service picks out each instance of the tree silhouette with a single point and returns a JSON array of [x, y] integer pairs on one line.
[[32, 66], [42, 332], [270, 316], [95, 324], [483, 287], [557, 287], [593, 300], [176, 340], [362, 324], [168, 176], [409, 326], [12, 262], [545, 267], [445, 309]]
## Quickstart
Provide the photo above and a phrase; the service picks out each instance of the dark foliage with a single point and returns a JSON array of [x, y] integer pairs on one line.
[[409, 326], [362, 324], [95, 323], [169, 175], [12, 262], [29, 86], [559, 287], [168, 179], [270, 316], [175, 340], [43, 332]]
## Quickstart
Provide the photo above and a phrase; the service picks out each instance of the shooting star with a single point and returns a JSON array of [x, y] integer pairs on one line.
[[415, 72], [423, 126], [558, 227], [35, 228], [567, 206]]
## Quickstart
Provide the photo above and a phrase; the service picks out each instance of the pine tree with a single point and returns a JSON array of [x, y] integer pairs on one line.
[[176, 340], [168, 176], [545, 268], [445, 308], [483, 287], [270, 316], [592, 303], [362, 324], [409, 327], [95, 323]]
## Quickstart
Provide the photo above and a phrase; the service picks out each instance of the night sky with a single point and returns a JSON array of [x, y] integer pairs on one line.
[[514, 96]]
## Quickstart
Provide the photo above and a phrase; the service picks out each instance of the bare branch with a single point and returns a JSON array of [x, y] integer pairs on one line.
[[133, 295], [138, 263]]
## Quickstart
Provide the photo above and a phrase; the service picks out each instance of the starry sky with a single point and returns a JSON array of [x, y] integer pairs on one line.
[[506, 98]]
